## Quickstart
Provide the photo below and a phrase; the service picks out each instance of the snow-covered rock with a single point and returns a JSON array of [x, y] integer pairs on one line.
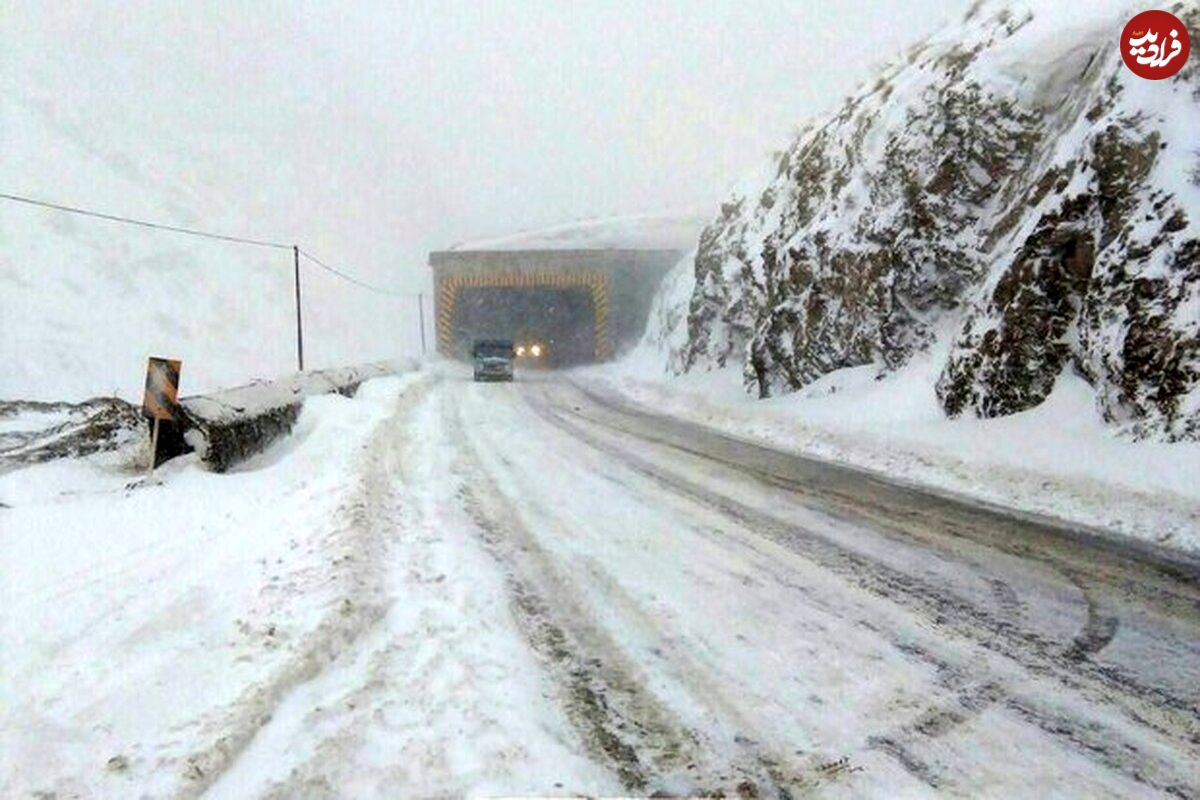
[[1009, 180], [32, 432]]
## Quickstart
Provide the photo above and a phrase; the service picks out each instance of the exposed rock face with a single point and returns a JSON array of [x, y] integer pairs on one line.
[[1011, 180], [1107, 279], [1011, 365]]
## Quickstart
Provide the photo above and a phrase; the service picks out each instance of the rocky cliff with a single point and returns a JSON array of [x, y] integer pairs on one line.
[[1010, 186]]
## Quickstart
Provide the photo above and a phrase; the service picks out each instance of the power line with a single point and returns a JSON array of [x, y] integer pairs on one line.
[[352, 279], [296, 253], [144, 223], [162, 226]]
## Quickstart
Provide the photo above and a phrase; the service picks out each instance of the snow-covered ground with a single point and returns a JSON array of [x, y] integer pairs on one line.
[[1058, 459], [84, 301], [136, 611], [678, 231], [147, 625], [153, 628], [441, 588]]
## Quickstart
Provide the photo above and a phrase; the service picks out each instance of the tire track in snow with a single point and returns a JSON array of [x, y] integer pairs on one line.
[[1168, 583], [1112, 676], [357, 573], [1099, 630], [789, 772], [1164, 588], [899, 525], [1145, 706], [603, 692]]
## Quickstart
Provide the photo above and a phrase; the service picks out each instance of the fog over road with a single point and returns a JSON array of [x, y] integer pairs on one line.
[[709, 615]]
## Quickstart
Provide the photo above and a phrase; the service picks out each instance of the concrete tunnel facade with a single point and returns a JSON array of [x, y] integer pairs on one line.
[[587, 305]]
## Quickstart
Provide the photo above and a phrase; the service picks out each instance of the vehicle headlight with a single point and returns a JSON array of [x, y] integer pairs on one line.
[[521, 350], [536, 350]]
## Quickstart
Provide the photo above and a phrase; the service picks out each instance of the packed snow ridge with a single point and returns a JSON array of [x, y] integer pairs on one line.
[[1008, 188], [666, 231]]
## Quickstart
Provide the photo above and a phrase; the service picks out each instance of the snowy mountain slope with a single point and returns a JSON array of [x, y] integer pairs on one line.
[[1010, 184], [83, 302]]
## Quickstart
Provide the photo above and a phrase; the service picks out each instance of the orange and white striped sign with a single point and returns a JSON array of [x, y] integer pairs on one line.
[[162, 388]]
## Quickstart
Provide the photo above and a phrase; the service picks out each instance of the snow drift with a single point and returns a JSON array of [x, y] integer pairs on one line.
[[1009, 184], [230, 426], [668, 231]]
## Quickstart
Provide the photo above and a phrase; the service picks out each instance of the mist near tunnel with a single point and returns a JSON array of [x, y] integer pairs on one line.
[[379, 131], [559, 321], [372, 134]]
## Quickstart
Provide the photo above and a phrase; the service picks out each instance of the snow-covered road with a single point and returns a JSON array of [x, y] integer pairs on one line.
[[537, 590]]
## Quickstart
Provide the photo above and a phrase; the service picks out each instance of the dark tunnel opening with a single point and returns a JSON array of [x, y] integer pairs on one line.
[[560, 320]]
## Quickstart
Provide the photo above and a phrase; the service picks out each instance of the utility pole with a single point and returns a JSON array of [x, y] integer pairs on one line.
[[421, 316], [299, 323]]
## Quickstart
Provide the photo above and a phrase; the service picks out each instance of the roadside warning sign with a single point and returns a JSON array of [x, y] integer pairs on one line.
[[162, 388]]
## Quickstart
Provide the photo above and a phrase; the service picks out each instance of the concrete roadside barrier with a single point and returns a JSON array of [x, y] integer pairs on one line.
[[229, 426], [225, 427]]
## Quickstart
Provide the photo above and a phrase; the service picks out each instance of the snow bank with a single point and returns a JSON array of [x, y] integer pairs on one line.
[[229, 426], [1058, 459], [144, 622]]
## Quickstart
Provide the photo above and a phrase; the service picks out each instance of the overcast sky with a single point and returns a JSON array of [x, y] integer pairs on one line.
[[376, 131]]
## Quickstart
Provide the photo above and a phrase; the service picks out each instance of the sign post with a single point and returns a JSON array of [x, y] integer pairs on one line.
[[299, 322], [421, 319], [159, 401]]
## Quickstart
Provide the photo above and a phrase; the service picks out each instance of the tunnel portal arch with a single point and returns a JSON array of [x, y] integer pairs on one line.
[[596, 284], [611, 289]]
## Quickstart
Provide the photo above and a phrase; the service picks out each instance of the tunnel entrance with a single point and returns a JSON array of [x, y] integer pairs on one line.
[[621, 285], [560, 320], [565, 312]]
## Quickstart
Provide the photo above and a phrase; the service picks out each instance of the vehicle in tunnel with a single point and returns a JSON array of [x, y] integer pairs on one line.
[[493, 359], [579, 305], [550, 327], [533, 352]]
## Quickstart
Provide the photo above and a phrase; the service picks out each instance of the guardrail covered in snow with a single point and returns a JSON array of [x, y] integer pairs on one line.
[[231, 425]]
